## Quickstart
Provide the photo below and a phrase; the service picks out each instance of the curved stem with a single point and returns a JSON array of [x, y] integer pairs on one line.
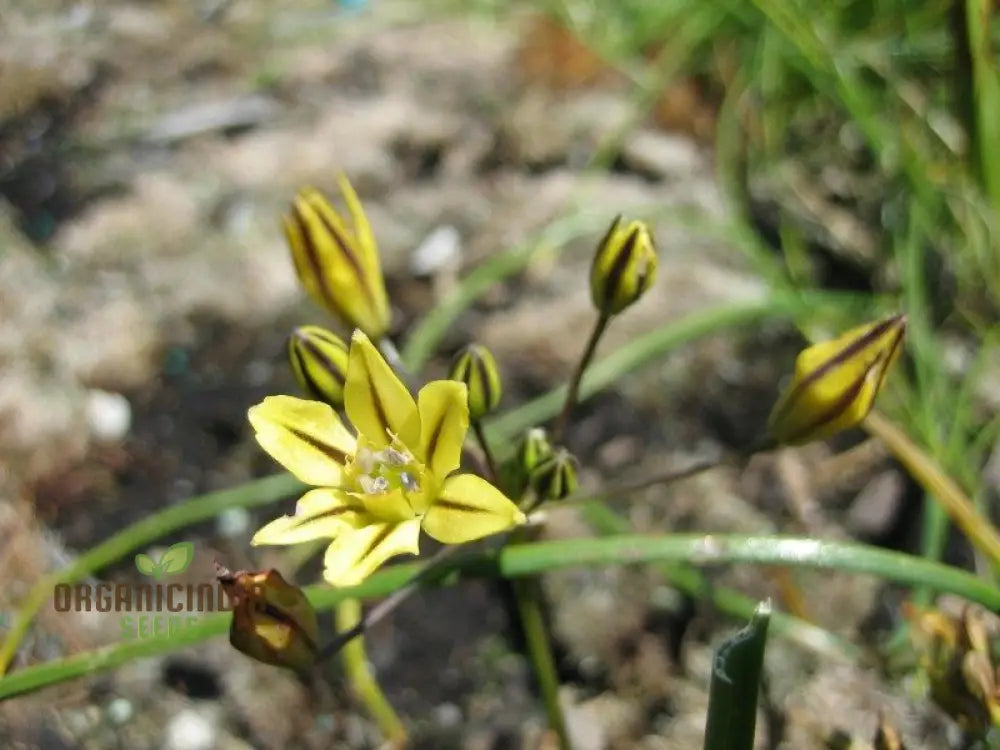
[[491, 465], [362, 681], [537, 557], [573, 392]]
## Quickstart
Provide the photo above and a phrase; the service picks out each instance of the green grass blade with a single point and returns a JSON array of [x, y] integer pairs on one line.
[[732, 699], [539, 557]]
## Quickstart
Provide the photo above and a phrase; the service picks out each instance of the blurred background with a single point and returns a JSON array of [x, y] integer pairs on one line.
[[148, 149]]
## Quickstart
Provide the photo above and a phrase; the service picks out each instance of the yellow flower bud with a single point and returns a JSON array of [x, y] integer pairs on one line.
[[319, 362], [836, 382], [273, 621], [555, 477], [476, 367], [624, 266], [337, 260]]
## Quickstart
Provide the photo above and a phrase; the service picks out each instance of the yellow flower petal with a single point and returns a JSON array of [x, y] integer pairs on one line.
[[469, 508], [390, 507], [319, 514], [356, 554], [367, 247], [306, 437], [836, 382], [376, 401], [444, 420]]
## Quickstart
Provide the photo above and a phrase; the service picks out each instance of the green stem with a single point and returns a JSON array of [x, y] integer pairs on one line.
[[538, 557], [359, 673], [527, 592], [149, 529], [491, 466], [573, 391]]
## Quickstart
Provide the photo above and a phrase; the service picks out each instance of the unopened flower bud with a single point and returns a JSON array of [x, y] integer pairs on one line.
[[836, 382], [533, 449], [319, 362], [555, 477], [337, 260], [273, 621], [624, 266], [475, 366]]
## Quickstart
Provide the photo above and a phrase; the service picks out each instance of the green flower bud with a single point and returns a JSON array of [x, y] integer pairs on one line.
[[555, 477], [624, 266], [319, 362], [533, 449], [475, 366], [273, 621], [836, 382]]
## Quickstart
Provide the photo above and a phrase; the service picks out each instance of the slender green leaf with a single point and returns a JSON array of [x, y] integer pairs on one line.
[[732, 700]]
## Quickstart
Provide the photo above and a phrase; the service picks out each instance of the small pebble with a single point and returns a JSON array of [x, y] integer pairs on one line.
[[189, 730], [109, 415], [439, 250], [448, 715], [120, 710], [232, 522]]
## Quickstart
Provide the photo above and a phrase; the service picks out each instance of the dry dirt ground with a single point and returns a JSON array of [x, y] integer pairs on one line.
[[145, 291]]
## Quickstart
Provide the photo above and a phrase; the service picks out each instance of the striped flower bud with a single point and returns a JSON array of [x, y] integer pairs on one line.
[[337, 260], [836, 382], [319, 362], [624, 266], [273, 621], [475, 366], [555, 477], [530, 451]]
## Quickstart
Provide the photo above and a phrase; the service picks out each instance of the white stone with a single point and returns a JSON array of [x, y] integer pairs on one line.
[[232, 522], [439, 250], [120, 710], [189, 730], [109, 415]]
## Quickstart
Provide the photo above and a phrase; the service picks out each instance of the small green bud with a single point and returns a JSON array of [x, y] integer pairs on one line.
[[475, 366], [555, 477], [533, 449], [319, 362], [624, 266]]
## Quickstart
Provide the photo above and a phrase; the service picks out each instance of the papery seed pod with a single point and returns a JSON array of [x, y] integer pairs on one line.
[[624, 266], [836, 382], [555, 477], [337, 260], [319, 362], [475, 366], [273, 621]]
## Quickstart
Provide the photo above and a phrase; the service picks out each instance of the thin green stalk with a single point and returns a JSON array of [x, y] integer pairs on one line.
[[573, 389], [149, 529], [641, 350], [359, 674], [527, 592], [491, 465], [539, 557]]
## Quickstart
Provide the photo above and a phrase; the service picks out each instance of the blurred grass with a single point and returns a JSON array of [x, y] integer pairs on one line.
[[902, 97]]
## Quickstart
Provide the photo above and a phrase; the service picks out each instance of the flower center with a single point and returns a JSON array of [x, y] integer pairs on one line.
[[387, 470]]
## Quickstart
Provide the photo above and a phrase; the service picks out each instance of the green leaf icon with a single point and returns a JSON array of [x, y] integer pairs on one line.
[[177, 558], [145, 564]]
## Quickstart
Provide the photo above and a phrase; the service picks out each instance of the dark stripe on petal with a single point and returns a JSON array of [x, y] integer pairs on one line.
[[349, 256], [327, 450], [435, 437], [340, 510], [328, 365], [622, 260], [379, 538], [486, 384], [315, 266], [845, 354], [837, 409], [453, 505], [377, 404]]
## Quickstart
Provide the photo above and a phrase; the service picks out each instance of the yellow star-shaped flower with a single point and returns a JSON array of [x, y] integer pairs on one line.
[[375, 492]]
